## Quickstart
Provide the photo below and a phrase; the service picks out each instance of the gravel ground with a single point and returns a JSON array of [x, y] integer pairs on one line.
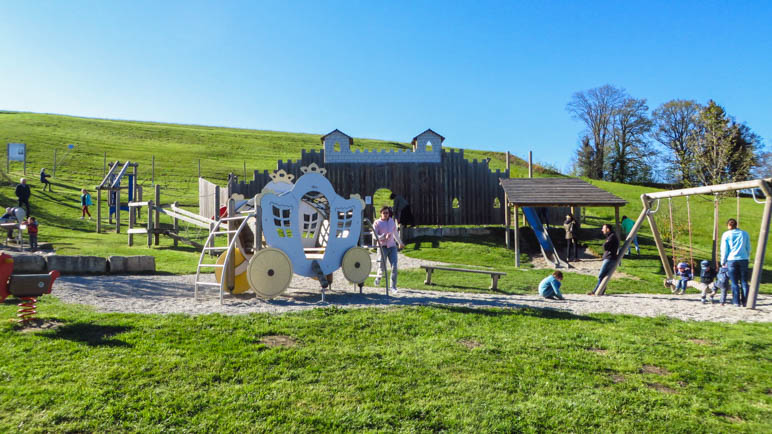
[[174, 294]]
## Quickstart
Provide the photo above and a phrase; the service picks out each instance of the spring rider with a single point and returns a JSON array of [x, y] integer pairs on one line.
[[26, 287]]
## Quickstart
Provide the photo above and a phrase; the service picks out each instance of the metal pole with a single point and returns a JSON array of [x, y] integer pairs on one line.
[[530, 164], [245, 171], [230, 269], [517, 240], [508, 162], [104, 166], [118, 210], [199, 167], [54, 173], [152, 175]]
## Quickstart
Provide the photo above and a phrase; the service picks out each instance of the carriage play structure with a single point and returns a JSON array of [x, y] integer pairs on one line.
[[302, 228], [648, 199]]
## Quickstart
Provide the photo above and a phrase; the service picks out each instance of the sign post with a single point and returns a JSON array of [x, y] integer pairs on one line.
[[17, 152]]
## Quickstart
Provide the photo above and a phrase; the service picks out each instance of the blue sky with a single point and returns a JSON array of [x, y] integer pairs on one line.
[[486, 75]]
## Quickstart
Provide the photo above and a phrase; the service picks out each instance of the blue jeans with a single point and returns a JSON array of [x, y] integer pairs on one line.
[[391, 253], [635, 242], [738, 274], [681, 284], [605, 269]]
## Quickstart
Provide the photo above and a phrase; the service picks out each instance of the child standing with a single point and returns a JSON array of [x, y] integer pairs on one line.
[[85, 202], [32, 232], [685, 272]]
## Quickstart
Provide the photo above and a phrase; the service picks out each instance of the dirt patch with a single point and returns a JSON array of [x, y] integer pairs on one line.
[[617, 378], [470, 343], [589, 265], [278, 341], [598, 350], [651, 369], [729, 417], [38, 324], [661, 388], [700, 342]]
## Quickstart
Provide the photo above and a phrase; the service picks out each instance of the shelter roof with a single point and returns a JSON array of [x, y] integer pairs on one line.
[[556, 192]]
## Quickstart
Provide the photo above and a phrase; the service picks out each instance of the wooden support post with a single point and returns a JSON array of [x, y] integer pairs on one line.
[[230, 269], [132, 220], [761, 248], [530, 164], [152, 174], [715, 231], [616, 221], [508, 164], [150, 206], [623, 249], [660, 247], [54, 174], [506, 221], [104, 165], [258, 225], [117, 210], [99, 211], [517, 240], [176, 225], [199, 167], [156, 222]]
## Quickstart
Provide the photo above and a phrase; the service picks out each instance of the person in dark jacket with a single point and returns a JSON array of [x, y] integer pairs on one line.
[[610, 252], [23, 193], [570, 226], [44, 179]]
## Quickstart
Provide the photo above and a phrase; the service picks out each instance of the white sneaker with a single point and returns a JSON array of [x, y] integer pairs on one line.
[[80, 218], [394, 290]]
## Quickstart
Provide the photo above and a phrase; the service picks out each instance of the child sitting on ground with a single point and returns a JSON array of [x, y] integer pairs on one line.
[[550, 286], [685, 272], [32, 232]]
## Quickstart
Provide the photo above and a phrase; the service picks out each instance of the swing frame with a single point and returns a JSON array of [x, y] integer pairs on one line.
[[765, 185]]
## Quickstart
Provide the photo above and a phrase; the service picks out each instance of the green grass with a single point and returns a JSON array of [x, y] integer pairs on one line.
[[402, 369]]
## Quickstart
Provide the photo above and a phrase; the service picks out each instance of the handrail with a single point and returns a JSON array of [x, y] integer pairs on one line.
[[117, 180], [109, 174], [229, 256]]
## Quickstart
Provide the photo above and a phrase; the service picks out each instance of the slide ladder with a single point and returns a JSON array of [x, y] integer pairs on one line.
[[218, 230], [545, 243]]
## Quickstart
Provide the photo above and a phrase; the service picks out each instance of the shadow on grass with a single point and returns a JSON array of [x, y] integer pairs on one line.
[[92, 335], [547, 313]]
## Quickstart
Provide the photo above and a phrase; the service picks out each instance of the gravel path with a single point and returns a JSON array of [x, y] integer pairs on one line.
[[174, 294]]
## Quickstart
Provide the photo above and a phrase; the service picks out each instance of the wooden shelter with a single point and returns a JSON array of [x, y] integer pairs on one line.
[[552, 192]]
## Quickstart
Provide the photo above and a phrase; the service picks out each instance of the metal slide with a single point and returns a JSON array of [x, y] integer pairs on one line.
[[545, 243]]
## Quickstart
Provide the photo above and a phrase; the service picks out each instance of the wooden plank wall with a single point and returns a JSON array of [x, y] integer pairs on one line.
[[429, 188]]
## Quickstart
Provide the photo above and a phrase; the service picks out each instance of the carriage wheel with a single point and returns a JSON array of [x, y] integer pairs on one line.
[[269, 272], [356, 264]]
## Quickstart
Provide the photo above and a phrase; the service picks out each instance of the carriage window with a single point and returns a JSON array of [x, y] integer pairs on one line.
[[281, 219], [345, 219], [310, 222]]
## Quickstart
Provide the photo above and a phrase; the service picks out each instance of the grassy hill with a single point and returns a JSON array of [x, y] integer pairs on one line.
[[177, 149]]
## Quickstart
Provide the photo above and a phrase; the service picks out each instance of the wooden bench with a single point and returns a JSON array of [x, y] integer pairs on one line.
[[494, 274]]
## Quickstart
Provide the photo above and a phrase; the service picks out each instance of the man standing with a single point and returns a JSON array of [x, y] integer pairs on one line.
[[735, 253], [627, 227], [610, 251], [23, 193]]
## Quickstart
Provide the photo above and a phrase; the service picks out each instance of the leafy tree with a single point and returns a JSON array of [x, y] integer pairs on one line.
[[724, 151], [584, 158], [595, 108], [631, 153], [674, 123]]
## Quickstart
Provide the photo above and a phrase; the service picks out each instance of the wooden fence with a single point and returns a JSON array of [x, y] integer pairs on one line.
[[430, 188]]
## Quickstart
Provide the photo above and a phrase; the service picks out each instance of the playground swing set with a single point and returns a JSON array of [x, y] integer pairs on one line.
[[648, 199]]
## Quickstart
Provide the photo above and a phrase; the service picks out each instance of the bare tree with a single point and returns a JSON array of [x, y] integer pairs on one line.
[[674, 122], [630, 155], [596, 107]]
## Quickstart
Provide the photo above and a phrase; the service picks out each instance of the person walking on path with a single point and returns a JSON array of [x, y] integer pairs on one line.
[[23, 193], [735, 253], [570, 226], [85, 202], [550, 286], [386, 232], [627, 227], [44, 179], [402, 212], [610, 252]]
